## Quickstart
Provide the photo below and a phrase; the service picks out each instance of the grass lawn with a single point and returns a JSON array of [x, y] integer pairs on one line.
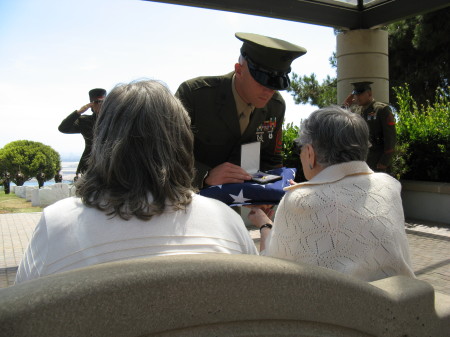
[[11, 203]]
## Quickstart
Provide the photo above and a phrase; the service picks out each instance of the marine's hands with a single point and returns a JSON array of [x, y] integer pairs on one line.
[[85, 107], [227, 173]]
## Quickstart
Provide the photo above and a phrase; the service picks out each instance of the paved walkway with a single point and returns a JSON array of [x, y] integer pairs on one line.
[[429, 245]]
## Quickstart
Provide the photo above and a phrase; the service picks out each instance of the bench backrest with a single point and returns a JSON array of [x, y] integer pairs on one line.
[[219, 295]]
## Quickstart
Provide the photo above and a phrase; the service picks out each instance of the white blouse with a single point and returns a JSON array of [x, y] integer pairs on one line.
[[70, 235]]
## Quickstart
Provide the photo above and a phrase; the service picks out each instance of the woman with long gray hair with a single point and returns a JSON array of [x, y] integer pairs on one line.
[[345, 217], [136, 197]]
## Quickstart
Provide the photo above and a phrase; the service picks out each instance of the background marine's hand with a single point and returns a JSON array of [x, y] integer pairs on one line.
[[349, 100], [84, 108]]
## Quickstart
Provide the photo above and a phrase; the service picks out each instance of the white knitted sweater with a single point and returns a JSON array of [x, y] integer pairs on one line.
[[346, 218]]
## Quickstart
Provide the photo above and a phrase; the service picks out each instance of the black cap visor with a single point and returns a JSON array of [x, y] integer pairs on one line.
[[270, 79], [358, 91]]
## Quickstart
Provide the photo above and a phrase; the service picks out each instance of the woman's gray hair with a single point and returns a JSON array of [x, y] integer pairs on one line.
[[337, 135], [142, 155]]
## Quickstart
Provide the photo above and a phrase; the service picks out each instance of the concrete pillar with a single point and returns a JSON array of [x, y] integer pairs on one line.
[[362, 55]]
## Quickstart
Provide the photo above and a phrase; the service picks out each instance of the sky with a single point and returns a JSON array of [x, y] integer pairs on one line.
[[52, 52]]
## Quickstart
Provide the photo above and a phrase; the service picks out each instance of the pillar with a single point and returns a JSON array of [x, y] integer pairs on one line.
[[362, 55]]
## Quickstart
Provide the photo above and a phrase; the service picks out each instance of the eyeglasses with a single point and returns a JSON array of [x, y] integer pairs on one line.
[[98, 101], [298, 148]]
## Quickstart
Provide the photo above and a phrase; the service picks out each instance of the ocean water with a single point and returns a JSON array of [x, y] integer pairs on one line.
[[68, 169]]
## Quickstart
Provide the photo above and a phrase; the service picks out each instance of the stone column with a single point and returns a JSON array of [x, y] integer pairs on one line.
[[362, 55]]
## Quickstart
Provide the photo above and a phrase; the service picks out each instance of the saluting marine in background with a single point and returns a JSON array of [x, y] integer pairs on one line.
[[381, 122], [76, 122]]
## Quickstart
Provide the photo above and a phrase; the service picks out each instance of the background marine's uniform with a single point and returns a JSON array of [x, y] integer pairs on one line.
[[382, 131], [84, 124]]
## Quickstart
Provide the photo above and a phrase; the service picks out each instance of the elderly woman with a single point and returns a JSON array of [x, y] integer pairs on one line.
[[345, 217], [136, 197]]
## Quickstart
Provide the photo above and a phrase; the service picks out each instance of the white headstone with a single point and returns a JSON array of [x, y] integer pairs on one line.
[[35, 198], [20, 191], [29, 191], [50, 195], [61, 188]]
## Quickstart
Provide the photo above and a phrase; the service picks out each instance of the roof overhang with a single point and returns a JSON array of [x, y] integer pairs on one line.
[[341, 14]]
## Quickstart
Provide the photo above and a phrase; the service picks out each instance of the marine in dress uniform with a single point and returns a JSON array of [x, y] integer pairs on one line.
[[381, 122], [84, 124], [240, 107]]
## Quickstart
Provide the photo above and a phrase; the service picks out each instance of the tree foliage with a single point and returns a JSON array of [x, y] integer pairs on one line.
[[307, 90], [419, 54], [29, 157]]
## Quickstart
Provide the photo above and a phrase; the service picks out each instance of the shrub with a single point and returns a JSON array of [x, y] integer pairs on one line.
[[423, 133], [290, 151]]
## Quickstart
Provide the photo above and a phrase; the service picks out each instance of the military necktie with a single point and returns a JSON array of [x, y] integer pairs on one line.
[[244, 118]]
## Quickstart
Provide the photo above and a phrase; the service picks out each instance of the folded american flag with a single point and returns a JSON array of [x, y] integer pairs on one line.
[[250, 192]]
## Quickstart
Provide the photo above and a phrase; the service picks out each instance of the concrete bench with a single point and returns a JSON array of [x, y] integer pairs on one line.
[[219, 295]]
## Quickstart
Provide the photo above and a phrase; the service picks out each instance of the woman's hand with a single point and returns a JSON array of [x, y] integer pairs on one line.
[[259, 216]]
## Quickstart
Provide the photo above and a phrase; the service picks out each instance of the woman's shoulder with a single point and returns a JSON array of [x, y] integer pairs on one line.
[[309, 196], [209, 203], [384, 178], [213, 208], [359, 181], [63, 206]]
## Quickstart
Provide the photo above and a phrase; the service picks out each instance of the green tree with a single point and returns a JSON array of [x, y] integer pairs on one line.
[[307, 89], [419, 55], [29, 157]]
